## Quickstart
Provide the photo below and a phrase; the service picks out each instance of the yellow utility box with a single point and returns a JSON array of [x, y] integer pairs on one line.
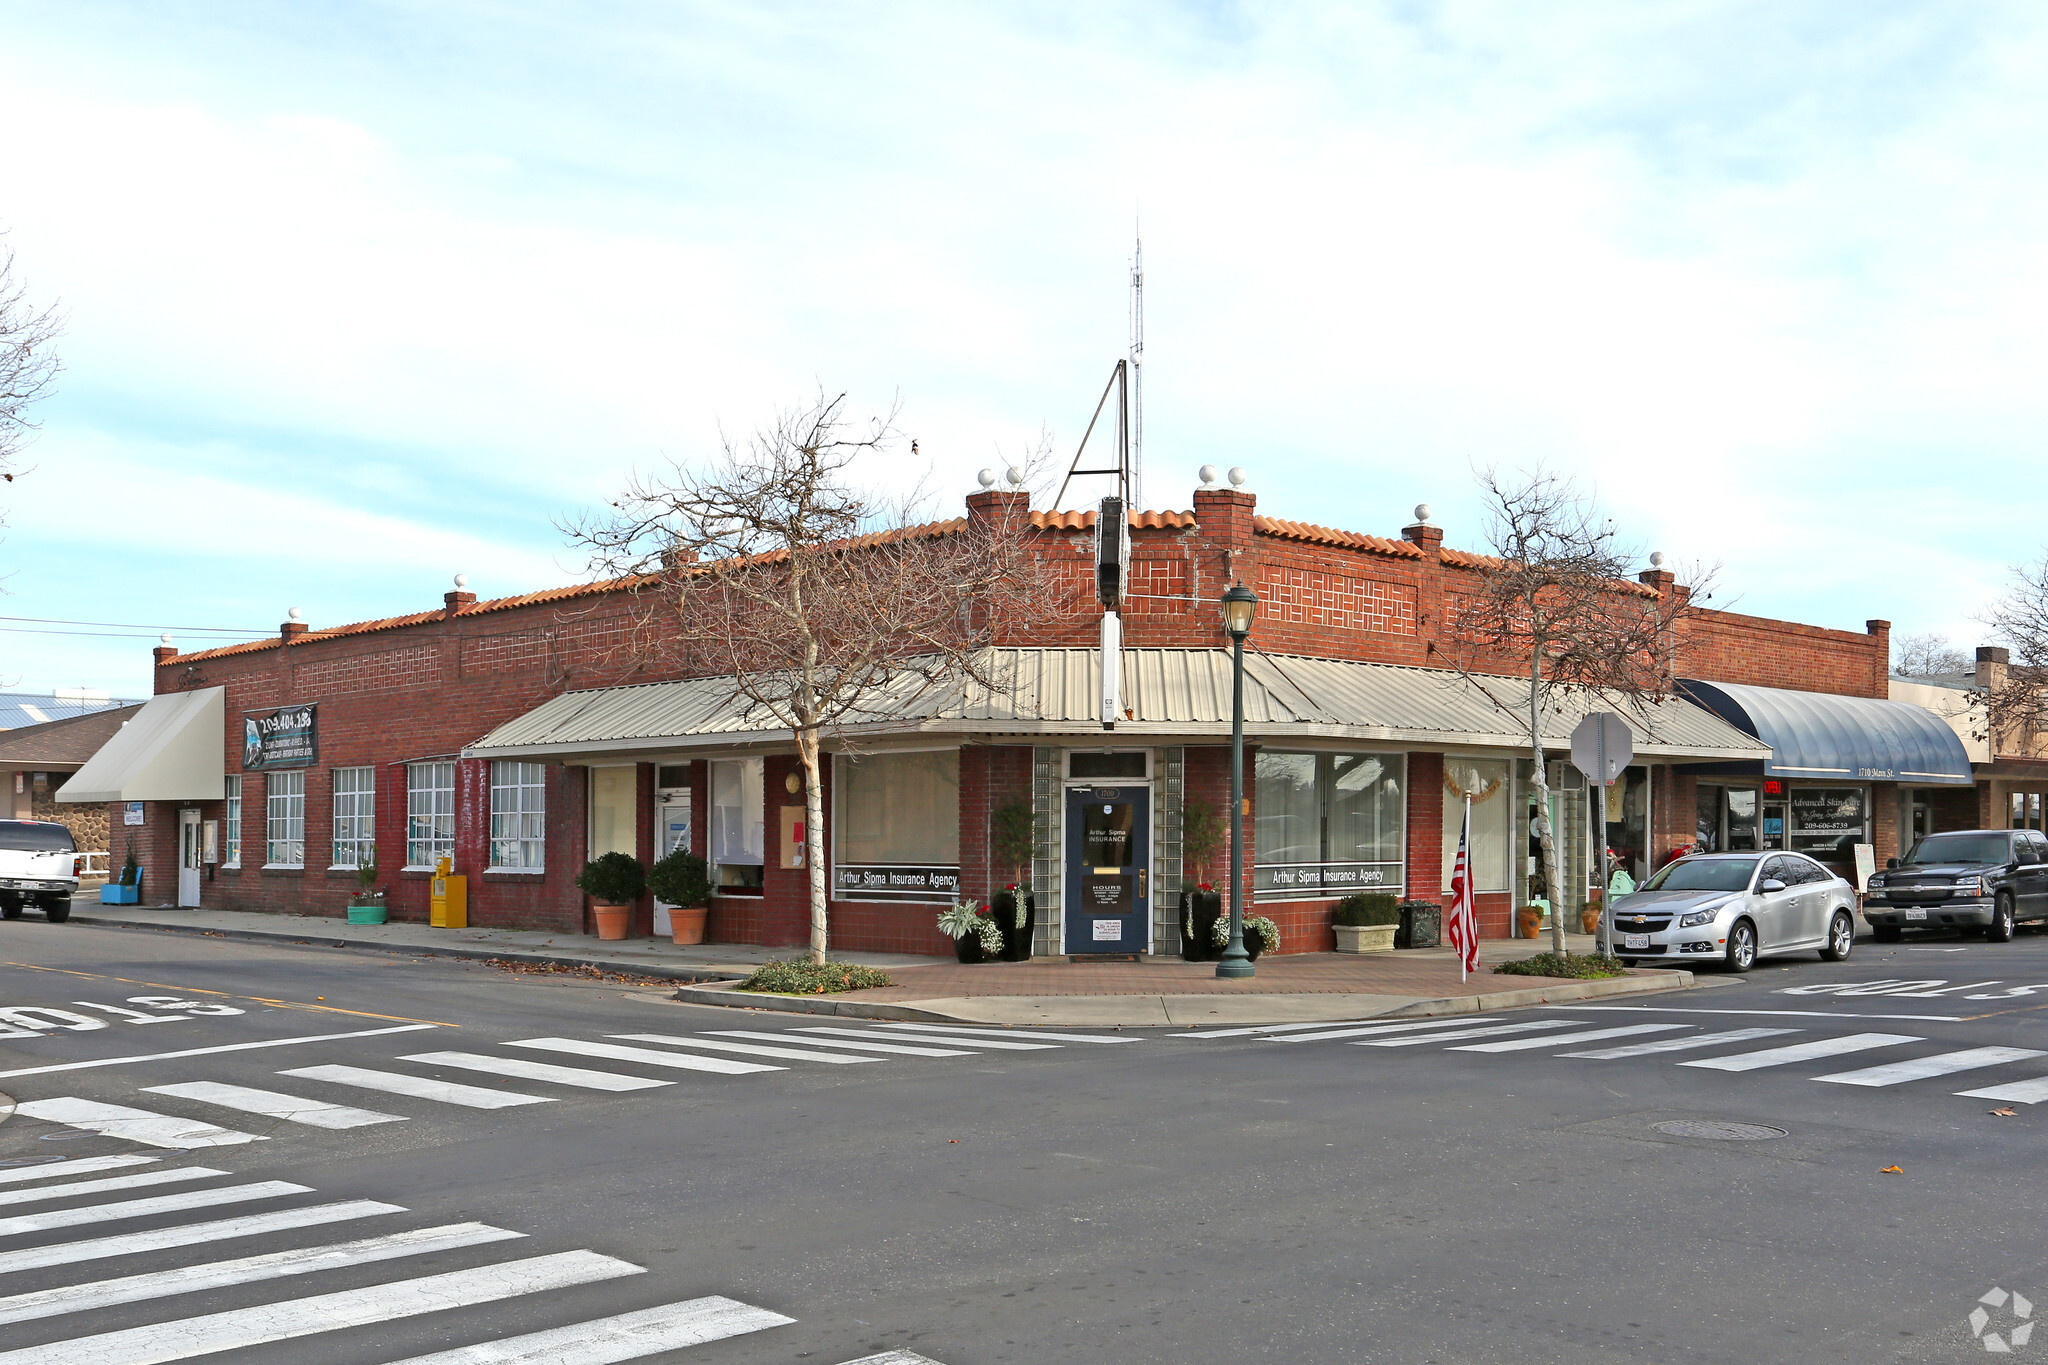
[[449, 899]]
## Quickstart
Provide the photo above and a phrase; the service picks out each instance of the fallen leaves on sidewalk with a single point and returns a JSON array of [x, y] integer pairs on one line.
[[582, 971], [1892, 1170], [2005, 1113]]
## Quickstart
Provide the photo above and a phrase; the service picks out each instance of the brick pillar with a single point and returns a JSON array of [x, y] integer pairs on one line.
[[1880, 661], [473, 819], [1425, 827], [643, 843], [1884, 821]]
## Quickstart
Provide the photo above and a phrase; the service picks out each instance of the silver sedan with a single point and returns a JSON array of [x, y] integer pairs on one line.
[[1736, 907]]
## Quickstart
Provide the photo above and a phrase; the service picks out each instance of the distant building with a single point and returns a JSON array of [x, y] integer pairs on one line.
[[38, 758], [40, 708]]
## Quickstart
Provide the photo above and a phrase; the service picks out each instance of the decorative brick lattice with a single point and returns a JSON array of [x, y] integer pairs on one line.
[[419, 666], [532, 649], [1307, 597]]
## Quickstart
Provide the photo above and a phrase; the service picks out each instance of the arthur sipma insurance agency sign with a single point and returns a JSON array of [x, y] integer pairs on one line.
[[285, 738]]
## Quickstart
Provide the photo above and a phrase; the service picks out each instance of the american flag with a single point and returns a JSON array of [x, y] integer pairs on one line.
[[1464, 926]]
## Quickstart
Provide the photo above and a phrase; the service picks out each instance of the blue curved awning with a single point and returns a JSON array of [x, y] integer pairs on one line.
[[1821, 735]]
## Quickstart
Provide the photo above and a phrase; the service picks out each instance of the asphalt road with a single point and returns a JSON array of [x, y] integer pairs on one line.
[[1200, 1196]]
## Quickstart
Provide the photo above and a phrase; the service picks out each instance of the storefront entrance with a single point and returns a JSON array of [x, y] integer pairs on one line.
[[1108, 894], [190, 854], [671, 832]]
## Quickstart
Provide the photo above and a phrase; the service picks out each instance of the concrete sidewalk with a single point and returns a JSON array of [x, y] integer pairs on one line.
[[1159, 992]]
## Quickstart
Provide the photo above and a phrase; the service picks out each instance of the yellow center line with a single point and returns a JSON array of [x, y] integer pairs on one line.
[[227, 995]]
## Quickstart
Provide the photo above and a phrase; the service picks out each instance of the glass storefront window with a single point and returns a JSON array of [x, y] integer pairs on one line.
[[1328, 824], [897, 809], [1828, 822], [1485, 781], [1742, 834], [739, 836]]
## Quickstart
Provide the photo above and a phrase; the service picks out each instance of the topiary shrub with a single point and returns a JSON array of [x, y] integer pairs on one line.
[[1368, 907], [612, 879], [682, 878], [801, 976], [1582, 966]]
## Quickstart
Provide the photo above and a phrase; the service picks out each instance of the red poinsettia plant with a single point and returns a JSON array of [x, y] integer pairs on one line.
[[1206, 887]]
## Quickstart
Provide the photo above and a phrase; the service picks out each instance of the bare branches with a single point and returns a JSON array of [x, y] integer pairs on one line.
[[28, 361], [2015, 691], [1928, 656]]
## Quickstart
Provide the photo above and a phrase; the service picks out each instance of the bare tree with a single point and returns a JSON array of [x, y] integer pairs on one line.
[[1556, 605], [1928, 656], [826, 605], [2012, 708], [28, 362]]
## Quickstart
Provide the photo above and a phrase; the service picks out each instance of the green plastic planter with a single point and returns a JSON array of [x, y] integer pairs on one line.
[[366, 914]]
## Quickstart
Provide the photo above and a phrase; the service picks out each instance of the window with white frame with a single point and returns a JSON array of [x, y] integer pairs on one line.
[[739, 813], [285, 819], [355, 819], [233, 835], [518, 814], [1329, 824], [429, 813]]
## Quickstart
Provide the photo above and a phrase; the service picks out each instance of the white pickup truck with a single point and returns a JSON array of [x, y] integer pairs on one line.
[[38, 867]]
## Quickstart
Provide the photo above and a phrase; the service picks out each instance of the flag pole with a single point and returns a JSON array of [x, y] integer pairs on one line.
[[1465, 856]]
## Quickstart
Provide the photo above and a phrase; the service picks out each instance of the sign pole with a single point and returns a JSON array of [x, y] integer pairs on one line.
[[1603, 942]]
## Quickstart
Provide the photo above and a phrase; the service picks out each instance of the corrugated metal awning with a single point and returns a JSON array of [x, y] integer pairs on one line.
[[1822, 735], [1173, 695], [172, 749]]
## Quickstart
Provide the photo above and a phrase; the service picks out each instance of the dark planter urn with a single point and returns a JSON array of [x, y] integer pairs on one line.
[[1016, 941], [1253, 944], [967, 948], [1198, 912]]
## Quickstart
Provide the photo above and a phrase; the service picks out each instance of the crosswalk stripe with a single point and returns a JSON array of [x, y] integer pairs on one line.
[[274, 1265], [752, 1049], [901, 1049], [1374, 1030], [999, 1044], [1556, 1039], [2031, 1091], [139, 1208], [682, 1061], [1267, 1029], [985, 1032], [1802, 1052], [270, 1104], [136, 1125], [627, 1336], [894, 1358], [76, 1166], [191, 1234], [119, 1182], [419, 1087], [526, 1070], [1739, 1035], [238, 1328], [1487, 1032], [1941, 1064]]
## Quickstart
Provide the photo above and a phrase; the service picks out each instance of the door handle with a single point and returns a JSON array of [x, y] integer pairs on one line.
[[1141, 882]]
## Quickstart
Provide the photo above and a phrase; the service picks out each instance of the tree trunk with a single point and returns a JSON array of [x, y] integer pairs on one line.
[[1545, 834], [814, 837]]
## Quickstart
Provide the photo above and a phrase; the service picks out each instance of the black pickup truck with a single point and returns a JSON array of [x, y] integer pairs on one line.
[[1987, 879]]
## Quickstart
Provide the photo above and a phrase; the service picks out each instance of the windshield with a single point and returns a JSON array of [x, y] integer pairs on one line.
[[1704, 874], [24, 836], [1960, 848]]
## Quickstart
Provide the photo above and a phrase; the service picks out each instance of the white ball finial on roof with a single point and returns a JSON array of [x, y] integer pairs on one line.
[[1422, 514], [987, 477], [1237, 476], [1207, 473], [1656, 559], [296, 614], [1015, 476], [163, 639], [462, 580]]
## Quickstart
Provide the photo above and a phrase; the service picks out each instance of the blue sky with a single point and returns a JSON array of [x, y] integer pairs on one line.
[[362, 296]]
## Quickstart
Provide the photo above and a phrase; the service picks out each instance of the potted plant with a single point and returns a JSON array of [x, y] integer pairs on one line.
[[972, 927], [1261, 935], [613, 881], [1366, 922], [1197, 908], [1201, 834], [366, 906], [1015, 908], [1529, 921], [682, 881], [128, 890], [1589, 915], [1015, 912]]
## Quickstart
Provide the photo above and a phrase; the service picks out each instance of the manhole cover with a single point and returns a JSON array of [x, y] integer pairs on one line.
[[1719, 1131]]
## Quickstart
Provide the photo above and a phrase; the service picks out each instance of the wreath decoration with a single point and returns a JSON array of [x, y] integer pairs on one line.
[[1485, 793]]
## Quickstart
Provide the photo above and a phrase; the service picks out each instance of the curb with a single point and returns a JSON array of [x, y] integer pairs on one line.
[[321, 940], [1648, 983]]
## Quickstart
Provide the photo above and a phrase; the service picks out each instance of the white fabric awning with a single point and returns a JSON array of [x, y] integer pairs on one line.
[[173, 749]]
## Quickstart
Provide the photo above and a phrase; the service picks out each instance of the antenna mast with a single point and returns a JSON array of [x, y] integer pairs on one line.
[[1137, 371], [1126, 380]]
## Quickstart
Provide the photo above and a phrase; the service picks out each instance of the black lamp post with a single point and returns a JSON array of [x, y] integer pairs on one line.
[[1239, 606]]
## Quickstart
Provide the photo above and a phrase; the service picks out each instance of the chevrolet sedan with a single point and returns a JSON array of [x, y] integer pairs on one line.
[[1734, 908]]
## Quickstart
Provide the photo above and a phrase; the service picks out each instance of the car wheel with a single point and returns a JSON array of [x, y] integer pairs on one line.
[[10, 907], [56, 912], [1841, 938], [1741, 946], [1886, 933], [2000, 928]]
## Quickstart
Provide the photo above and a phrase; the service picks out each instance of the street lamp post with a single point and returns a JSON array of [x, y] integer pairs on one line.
[[1239, 606]]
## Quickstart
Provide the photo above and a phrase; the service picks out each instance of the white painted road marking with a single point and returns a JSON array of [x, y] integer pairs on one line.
[[313, 1113], [999, 1032], [754, 1049], [1942, 1064], [143, 1208], [2016, 1092], [1553, 1040], [1466, 1033], [901, 1049], [628, 1336], [526, 1070], [1375, 1030], [1739, 1035], [274, 1265], [190, 1234], [894, 1358], [75, 1188], [1802, 1052], [1770, 1014], [1267, 1028], [724, 1066], [209, 1051], [76, 1166], [136, 1125], [391, 1082], [238, 1328], [999, 1044]]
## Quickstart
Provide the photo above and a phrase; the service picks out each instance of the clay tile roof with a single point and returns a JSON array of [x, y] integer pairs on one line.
[[1324, 535], [1085, 521], [1466, 559]]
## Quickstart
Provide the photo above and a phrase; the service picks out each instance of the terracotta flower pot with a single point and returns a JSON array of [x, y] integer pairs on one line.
[[1528, 921], [686, 923], [611, 920], [1589, 920]]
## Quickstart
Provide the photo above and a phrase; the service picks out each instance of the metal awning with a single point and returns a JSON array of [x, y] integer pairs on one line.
[[1174, 695], [172, 749], [1821, 735]]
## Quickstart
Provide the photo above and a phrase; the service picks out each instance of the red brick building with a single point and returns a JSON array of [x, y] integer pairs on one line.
[[519, 737]]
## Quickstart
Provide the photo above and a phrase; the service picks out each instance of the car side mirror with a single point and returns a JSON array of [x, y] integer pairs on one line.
[[1770, 884], [1891, 864]]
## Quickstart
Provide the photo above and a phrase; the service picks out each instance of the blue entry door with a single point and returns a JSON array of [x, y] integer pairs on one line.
[[1108, 896]]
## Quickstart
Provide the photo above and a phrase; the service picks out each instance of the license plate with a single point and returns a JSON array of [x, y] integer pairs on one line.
[[1635, 940], [1916, 912]]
